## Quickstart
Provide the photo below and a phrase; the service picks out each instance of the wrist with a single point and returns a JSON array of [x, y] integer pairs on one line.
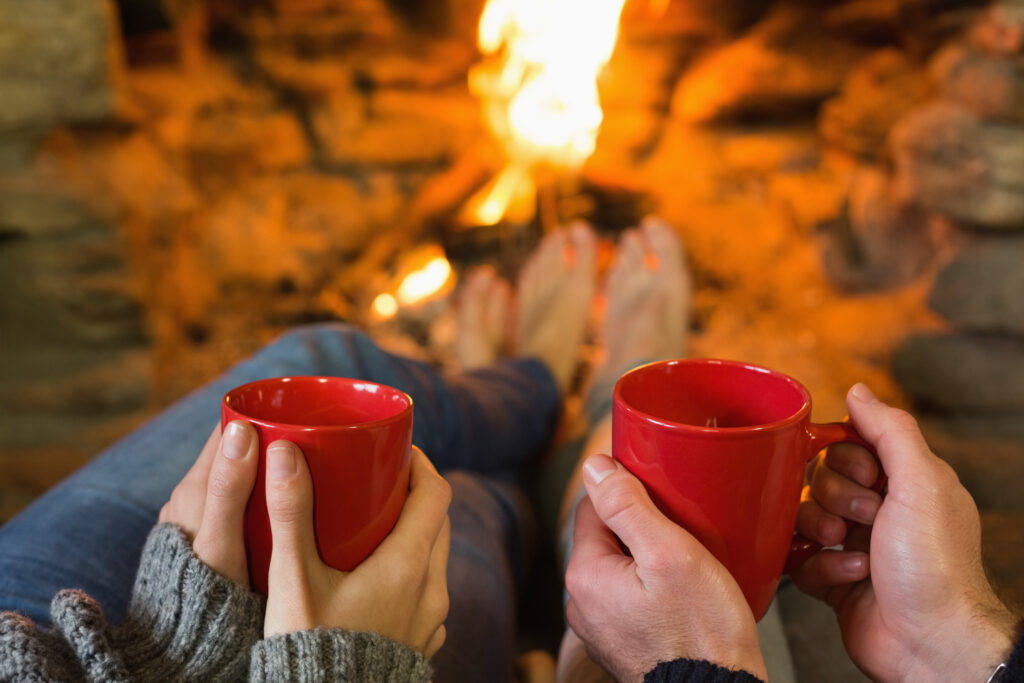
[[975, 650]]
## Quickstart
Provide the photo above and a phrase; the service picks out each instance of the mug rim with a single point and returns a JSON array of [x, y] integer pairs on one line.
[[320, 379], [804, 411]]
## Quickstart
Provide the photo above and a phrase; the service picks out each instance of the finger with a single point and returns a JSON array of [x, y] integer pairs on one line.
[[437, 580], [854, 462], [220, 542], [206, 456], [894, 433], [437, 571], [815, 523], [185, 507], [592, 546], [290, 508], [425, 510], [591, 539], [844, 497], [829, 569], [622, 503], [436, 641], [858, 537]]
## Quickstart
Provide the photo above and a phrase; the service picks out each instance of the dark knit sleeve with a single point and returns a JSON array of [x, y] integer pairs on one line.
[[186, 621], [696, 671], [335, 655]]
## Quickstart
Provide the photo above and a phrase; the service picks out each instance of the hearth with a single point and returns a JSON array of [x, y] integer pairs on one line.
[[182, 180]]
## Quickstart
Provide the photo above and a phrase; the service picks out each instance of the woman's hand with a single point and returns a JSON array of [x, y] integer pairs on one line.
[[909, 590], [400, 591], [209, 503], [643, 590]]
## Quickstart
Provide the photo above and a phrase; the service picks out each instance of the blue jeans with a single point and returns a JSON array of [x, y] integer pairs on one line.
[[88, 531]]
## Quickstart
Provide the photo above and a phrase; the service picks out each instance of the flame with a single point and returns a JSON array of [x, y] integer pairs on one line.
[[539, 88], [424, 282]]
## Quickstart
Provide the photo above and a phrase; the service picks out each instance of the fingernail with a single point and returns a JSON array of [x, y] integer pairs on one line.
[[235, 444], [864, 509], [861, 392], [597, 468], [281, 462], [856, 563]]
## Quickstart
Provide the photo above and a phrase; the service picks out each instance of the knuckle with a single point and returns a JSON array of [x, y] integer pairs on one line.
[[438, 605], [902, 420], [443, 491], [221, 485], [618, 500], [284, 508]]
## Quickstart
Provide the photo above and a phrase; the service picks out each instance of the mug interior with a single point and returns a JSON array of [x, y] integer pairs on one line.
[[712, 394], [318, 401]]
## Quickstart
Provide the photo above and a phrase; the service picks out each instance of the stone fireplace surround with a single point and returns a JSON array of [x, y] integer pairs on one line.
[[182, 180]]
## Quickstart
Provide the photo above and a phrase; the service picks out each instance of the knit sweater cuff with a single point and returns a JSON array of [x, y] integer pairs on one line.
[[185, 620], [696, 671], [336, 655]]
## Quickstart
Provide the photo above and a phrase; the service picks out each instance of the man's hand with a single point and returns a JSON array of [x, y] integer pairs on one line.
[[209, 503], [918, 606], [400, 591], [643, 590]]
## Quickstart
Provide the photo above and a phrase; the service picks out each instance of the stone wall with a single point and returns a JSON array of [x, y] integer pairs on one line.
[[961, 156], [176, 191]]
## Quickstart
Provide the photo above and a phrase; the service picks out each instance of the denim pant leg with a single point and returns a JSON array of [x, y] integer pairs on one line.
[[87, 532], [486, 568]]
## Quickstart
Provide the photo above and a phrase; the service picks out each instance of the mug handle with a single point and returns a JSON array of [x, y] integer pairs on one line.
[[822, 436]]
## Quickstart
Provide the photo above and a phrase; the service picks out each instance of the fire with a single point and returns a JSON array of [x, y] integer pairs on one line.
[[424, 282], [423, 275], [539, 86]]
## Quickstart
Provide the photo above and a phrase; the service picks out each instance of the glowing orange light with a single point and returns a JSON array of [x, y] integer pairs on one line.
[[385, 306], [424, 282], [539, 86]]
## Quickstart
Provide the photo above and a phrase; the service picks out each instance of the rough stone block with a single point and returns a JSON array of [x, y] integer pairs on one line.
[[785, 64], [397, 127], [955, 163], [990, 86], [58, 62], [982, 288], [879, 91], [963, 373]]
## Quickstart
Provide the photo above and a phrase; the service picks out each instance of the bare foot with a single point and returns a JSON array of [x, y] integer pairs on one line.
[[483, 318], [556, 288], [648, 294]]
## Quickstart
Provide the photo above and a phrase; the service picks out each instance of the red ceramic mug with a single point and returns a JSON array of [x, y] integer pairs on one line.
[[721, 446], [356, 437]]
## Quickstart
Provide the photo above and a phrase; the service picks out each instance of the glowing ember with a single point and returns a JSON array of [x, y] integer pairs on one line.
[[539, 89], [385, 306], [423, 283]]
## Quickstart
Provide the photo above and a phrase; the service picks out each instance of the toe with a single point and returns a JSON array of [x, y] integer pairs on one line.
[[662, 239], [584, 247]]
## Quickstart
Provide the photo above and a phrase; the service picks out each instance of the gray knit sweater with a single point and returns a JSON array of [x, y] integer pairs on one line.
[[187, 623]]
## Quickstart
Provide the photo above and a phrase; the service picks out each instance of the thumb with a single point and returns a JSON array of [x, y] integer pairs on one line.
[[894, 433], [289, 506], [622, 503]]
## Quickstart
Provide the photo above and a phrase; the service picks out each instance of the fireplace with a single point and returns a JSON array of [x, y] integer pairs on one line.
[[182, 180]]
